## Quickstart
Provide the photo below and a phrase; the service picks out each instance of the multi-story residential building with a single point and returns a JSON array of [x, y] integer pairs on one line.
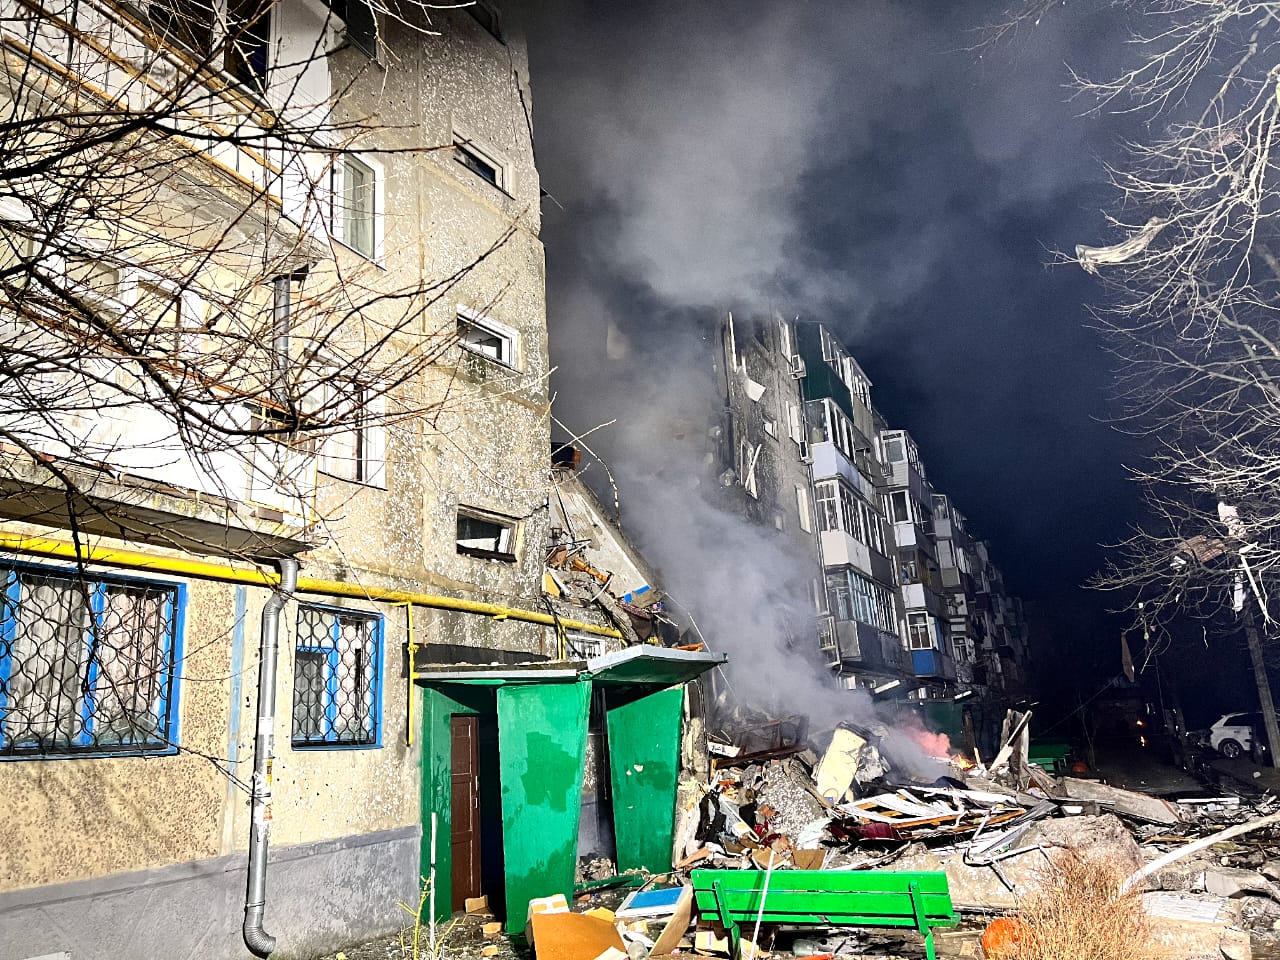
[[762, 445], [903, 613], [857, 545], [273, 471], [909, 502]]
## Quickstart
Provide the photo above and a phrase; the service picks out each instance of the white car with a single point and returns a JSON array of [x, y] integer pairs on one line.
[[1232, 734]]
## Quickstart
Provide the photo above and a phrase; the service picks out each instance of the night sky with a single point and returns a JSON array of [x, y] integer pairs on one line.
[[874, 166]]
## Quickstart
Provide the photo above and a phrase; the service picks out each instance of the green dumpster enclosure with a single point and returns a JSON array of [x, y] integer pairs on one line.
[[525, 782]]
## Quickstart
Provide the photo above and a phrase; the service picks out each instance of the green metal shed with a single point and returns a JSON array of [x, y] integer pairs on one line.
[[504, 746]]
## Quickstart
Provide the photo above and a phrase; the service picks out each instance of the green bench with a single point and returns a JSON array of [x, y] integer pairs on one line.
[[861, 898]]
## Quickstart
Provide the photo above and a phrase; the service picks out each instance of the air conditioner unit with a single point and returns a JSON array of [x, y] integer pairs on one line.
[[798, 370]]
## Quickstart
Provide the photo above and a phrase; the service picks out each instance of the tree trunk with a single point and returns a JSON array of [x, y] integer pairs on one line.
[[1264, 684]]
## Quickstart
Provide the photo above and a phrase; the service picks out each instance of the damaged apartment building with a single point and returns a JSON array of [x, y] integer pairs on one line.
[[909, 606], [275, 512]]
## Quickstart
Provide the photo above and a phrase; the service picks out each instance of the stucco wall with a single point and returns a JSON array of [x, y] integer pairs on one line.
[[93, 824]]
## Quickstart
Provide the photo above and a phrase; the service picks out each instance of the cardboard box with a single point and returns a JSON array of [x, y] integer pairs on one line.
[[572, 936], [476, 905]]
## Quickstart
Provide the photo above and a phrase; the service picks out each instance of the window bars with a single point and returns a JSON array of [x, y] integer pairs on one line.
[[336, 677], [87, 663]]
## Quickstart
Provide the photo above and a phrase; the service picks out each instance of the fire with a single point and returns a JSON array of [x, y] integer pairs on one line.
[[961, 762]]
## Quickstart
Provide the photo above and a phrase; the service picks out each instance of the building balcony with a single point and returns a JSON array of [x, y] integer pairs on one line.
[[841, 550], [829, 462], [917, 596], [237, 155], [122, 468], [866, 647], [932, 664]]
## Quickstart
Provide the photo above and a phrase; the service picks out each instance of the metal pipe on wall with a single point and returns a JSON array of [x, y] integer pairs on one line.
[[256, 938]]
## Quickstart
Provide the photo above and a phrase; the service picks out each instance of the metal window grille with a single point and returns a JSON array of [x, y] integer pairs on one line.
[[336, 677], [87, 664]]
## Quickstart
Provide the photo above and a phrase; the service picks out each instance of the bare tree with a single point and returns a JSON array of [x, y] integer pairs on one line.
[[190, 289], [1192, 312]]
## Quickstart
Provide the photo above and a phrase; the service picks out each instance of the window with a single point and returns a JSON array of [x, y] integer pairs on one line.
[[337, 669], [354, 188], [852, 596], [802, 506], [901, 506], [248, 44], [919, 634], [794, 429], [478, 162], [487, 536], [486, 337], [356, 448], [240, 30], [828, 512], [87, 665]]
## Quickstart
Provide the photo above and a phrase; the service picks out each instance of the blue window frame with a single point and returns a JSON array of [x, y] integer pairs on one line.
[[337, 678], [87, 663]]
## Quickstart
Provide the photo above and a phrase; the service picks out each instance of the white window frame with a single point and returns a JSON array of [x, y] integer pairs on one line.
[[802, 507], [369, 465], [336, 211], [466, 145], [919, 632], [508, 336]]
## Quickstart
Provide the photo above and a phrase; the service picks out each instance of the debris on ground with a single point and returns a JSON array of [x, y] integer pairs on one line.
[[1205, 869]]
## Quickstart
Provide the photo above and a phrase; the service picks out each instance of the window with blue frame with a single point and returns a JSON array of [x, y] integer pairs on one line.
[[337, 669], [87, 663]]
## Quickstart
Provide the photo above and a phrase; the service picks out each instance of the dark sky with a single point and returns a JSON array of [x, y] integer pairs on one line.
[[869, 165]]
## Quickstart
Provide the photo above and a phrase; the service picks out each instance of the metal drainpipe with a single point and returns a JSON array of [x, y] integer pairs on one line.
[[280, 310], [259, 942]]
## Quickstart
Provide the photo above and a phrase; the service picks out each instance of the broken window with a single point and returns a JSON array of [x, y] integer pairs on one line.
[[248, 53], [478, 162], [234, 36], [88, 666], [487, 536], [336, 677], [893, 449], [802, 507], [485, 337], [851, 596], [749, 457], [901, 504]]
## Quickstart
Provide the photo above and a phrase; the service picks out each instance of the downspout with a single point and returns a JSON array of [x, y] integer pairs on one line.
[[259, 942]]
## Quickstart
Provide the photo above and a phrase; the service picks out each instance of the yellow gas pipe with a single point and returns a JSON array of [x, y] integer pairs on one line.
[[227, 573]]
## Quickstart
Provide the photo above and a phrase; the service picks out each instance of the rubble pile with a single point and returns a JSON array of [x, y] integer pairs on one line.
[[1207, 869]]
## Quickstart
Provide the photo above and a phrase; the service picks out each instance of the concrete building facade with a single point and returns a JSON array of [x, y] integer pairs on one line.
[[320, 342]]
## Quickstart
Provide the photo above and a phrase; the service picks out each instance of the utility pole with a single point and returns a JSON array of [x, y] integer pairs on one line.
[[1229, 515], [1264, 683]]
